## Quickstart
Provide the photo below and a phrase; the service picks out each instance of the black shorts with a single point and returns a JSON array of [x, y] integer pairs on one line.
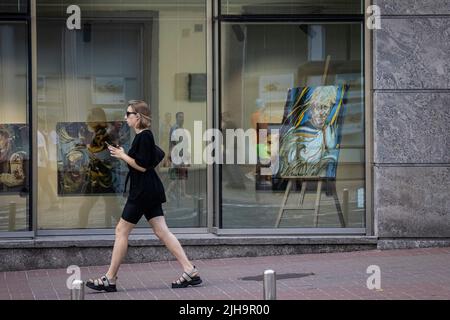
[[133, 211]]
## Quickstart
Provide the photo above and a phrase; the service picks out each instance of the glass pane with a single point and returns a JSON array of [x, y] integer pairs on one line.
[[123, 51], [14, 130], [13, 6], [306, 81], [237, 7]]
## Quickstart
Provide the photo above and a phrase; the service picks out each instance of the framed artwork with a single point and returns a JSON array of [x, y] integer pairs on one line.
[[14, 157], [85, 166], [311, 131], [181, 86], [108, 90], [197, 87], [273, 88]]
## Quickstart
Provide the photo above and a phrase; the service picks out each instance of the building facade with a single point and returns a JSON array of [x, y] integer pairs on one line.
[[346, 85]]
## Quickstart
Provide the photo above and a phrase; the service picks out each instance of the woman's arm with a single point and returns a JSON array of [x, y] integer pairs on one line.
[[119, 153]]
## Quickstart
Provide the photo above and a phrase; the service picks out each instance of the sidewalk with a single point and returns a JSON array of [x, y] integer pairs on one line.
[[405, 274]]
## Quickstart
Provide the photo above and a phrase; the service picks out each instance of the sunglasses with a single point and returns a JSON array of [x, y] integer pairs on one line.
[[128, 113]]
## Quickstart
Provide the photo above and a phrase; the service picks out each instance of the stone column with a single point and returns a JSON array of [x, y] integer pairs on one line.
[[412, 122]]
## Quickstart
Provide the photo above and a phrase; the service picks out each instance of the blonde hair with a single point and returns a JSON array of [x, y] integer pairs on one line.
[[325, 95], [143, 109]]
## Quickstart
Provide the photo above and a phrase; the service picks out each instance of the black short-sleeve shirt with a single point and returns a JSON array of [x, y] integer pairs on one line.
[[145, 186]]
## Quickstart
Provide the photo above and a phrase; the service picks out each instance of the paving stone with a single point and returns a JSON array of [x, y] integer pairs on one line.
[[405, 274]]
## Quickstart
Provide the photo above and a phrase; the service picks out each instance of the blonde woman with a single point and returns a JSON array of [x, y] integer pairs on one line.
[[145, 198]]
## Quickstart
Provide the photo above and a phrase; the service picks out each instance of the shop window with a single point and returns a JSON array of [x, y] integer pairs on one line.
[[303, 82], [86, 76], [14, 128]]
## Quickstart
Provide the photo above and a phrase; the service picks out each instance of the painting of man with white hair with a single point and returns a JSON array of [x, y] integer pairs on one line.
[[310, 134]]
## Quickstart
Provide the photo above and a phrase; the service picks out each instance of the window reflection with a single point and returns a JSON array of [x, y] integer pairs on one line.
[[303, 83], [14, 128], [123, 52]]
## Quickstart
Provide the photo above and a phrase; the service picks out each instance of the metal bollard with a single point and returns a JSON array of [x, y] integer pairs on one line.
[[270, 285], [77, 291]]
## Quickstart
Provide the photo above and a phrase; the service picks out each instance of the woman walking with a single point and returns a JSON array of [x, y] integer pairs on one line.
[[145, 198]]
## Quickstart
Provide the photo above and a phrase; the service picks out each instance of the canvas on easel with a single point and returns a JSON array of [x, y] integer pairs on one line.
[[310, 134], [310, 138]]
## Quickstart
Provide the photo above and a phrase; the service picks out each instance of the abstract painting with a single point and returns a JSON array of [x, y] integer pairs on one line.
[[109, 90], [310, 134], [14, 157], [272, 88], [85, 165]]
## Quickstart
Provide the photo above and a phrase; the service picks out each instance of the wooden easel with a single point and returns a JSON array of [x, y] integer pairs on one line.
[[320, 181], [304, 180]]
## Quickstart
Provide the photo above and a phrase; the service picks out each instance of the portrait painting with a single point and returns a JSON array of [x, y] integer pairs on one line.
[[85, 165], [310, 133], [14, 157]]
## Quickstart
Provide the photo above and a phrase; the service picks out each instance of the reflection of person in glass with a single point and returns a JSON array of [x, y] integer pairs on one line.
[[164, 137], [100, 165], [145, 197], [43, 167], [178, 173], [232, 172]]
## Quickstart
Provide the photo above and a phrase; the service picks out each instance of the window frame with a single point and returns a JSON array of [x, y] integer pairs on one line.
[[110, 231], [219, 20], [213, 32], [26, 19]]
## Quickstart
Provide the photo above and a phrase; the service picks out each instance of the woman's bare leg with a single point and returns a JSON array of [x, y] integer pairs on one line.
[[123, 230], [171, 242]]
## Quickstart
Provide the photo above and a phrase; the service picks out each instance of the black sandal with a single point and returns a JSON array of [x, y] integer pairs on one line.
[[102, 283], [188, 279]]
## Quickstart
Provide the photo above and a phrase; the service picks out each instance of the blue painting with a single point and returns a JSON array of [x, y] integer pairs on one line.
[[85, 165], [14, 157], [310, 134]]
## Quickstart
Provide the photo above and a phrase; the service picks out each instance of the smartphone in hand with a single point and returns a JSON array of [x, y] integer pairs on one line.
[[110, 145]]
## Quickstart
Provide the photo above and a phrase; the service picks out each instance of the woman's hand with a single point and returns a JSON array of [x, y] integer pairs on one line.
[[118, 153]]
